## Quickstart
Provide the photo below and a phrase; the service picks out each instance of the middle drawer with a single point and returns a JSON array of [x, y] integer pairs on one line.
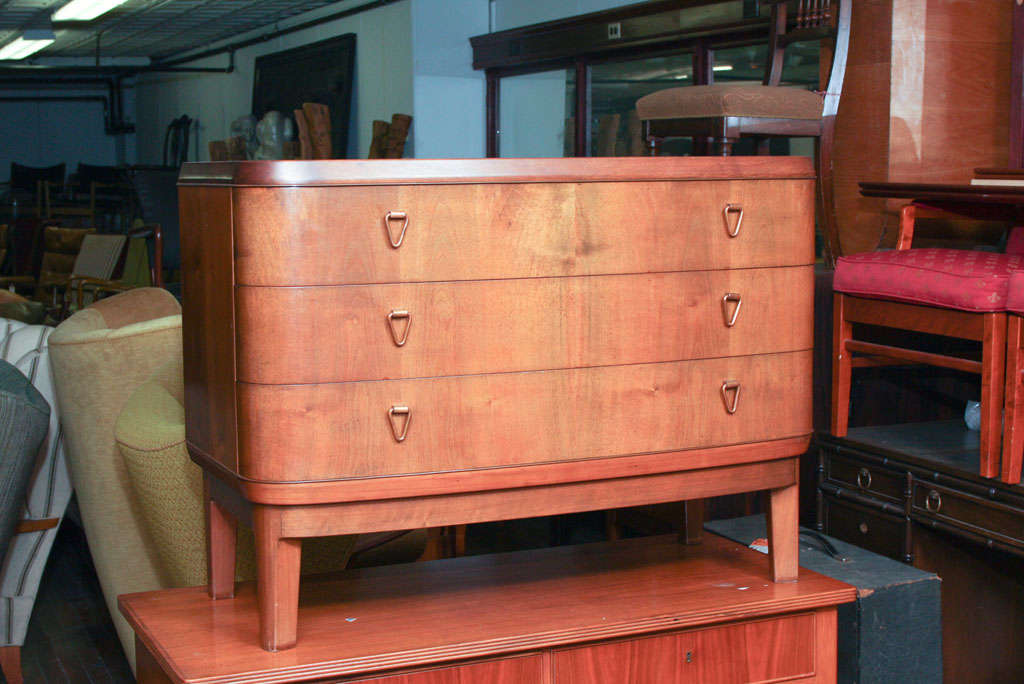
[[378, 332]]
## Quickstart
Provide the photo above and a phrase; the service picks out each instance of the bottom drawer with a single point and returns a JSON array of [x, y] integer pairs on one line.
[[758, 651], [290, 433], [868, 529]]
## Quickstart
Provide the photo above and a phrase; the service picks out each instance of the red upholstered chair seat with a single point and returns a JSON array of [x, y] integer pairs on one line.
[[967, 280], [1015, 293]]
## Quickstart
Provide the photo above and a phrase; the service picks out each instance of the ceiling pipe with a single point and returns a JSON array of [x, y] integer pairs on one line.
[[171, 60]]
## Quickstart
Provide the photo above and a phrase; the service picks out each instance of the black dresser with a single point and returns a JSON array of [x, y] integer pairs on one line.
[[910, 492]]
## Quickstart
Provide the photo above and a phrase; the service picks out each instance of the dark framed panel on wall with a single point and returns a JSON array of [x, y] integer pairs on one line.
[[321, 72]]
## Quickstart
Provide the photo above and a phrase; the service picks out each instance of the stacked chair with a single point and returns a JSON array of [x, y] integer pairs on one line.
[[963, 294]]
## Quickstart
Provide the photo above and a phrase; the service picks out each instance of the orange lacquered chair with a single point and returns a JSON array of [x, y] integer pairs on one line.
[[1013, 428], [950, 292]]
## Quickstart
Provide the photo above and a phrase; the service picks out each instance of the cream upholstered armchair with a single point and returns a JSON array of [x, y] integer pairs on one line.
[[120, 388], [100, 356], [49, 491]]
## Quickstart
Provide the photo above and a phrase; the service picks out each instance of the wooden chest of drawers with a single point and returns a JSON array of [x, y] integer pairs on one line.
[[383, 345]]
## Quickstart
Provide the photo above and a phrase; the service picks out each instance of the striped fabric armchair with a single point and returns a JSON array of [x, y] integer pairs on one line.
[[49, 491]]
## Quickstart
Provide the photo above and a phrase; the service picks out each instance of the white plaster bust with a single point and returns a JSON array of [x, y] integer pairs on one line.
[[272, 131]]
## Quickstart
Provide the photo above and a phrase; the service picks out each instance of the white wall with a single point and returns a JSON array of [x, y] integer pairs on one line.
[[43, 133], [411, 57], [448, 95], [383, 83], [449, 117]]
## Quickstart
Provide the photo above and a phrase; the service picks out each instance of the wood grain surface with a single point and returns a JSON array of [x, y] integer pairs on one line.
[[505, 671], [342, 429], [757, 651], [333, 236], [342, 333], [475, 607], [912, 107], [385, 515], [463, 481], [207, 321]]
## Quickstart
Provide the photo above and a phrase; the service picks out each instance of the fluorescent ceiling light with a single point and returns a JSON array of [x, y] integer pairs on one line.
[[29, 43], [85, 10], [722, 67]]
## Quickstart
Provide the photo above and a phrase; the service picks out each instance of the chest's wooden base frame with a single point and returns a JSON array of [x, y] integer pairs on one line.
[[279, 526]]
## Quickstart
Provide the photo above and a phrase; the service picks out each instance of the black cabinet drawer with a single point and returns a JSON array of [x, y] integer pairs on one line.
[[872, 530], [973, 514], [866, 478]]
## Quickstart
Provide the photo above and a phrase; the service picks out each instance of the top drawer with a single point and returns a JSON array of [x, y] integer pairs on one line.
[[339, 235]]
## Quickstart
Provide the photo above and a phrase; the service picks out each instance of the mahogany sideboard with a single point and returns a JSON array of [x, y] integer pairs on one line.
[[387, 345], [637, 611]]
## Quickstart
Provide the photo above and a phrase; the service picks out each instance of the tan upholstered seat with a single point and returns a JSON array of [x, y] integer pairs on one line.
[[730, 100]]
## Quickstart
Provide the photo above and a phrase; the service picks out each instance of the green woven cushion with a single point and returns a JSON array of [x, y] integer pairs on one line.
[[168, 486]]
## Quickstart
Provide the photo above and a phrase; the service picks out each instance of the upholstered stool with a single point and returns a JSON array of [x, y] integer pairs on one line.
[[726, 113], [956, 293], [800, 108]]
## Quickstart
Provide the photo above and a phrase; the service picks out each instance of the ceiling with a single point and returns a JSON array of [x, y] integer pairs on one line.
[[148, 28]]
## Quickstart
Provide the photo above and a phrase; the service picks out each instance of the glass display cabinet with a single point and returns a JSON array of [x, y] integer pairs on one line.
[[540, 77]]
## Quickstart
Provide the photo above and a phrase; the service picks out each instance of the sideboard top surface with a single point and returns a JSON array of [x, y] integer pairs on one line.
[[292, 173], [475, 606]]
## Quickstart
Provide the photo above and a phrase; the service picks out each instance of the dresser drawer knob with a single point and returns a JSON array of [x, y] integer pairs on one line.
[[732, 386], [864, 478], [933, 502], [399, 427], [399, 337], [732, 208], [727, 301], [396, 216]]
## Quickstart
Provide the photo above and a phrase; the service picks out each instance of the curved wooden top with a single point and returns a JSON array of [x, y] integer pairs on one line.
[[293, 173]]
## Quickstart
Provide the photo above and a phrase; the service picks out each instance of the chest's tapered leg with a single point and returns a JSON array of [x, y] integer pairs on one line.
[[277, 579], [783, 533]]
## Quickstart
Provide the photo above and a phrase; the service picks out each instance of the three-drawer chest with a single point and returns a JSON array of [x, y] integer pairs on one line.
[[387, 345]]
